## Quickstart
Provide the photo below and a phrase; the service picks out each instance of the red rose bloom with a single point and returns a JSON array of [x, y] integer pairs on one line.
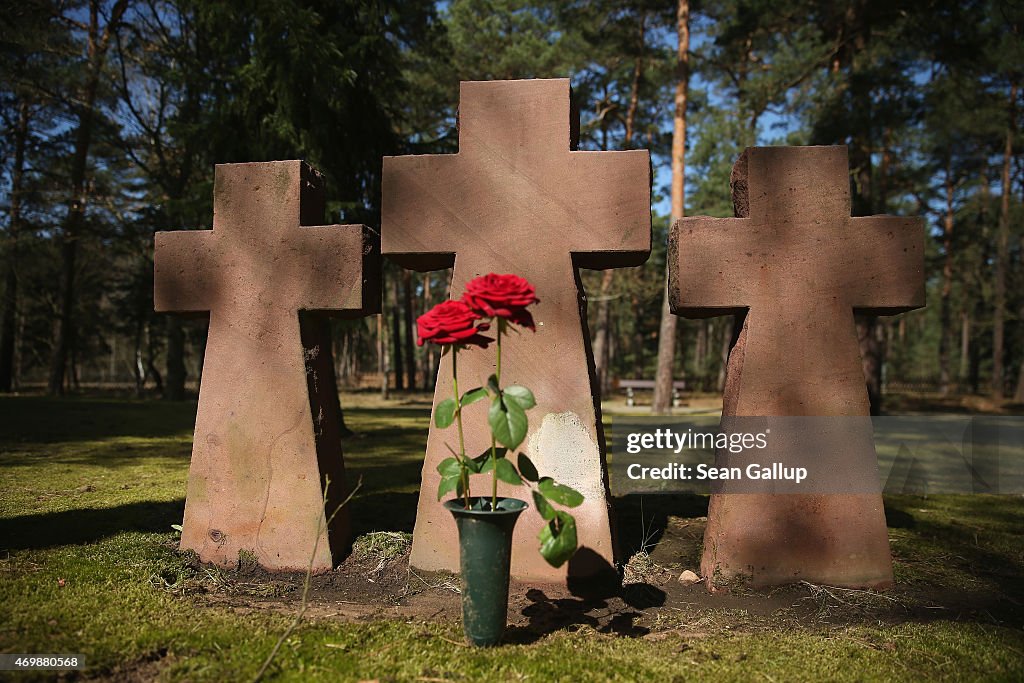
[[451, 322], [502, 296]]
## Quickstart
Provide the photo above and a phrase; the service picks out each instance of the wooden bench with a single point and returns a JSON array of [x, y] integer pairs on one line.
[[630, 385]]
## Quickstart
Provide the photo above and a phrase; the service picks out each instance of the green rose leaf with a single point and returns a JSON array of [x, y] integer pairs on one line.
[[473, 395], [527, 468], [521, 395], [558, 539], [473, 465], [477, 464], [508, 422], [507, 473], [484, 461], [492, 384], [449, 467], [543, 506], [444, 414], [448, 484], [560, 493]]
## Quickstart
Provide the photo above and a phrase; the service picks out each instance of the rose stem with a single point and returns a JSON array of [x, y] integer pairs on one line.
[[494, 457], [458, 418]]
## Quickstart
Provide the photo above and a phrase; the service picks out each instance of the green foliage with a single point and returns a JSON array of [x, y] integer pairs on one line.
[[527, 468], [472, 396], [116, 554], [558, 539], [508, 421], [507, 39], [520, 395], [444, 414], [450, 470], [544, 508], [560, 493], [506, 471]]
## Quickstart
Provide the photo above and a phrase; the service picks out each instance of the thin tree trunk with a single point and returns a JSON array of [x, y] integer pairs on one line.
[[151, 368], [382, 356], [10, 304], [97, 50], [1018, 395], [965, 345], [667, 329], [945, 325], [410, 344], [1002, 261], [18, 337], [602, 333], [427, 357], [602, 338], [700, 354], [872, 353], [396, 337], [727, 337], [639, 358], [176, 375], [140, 372]]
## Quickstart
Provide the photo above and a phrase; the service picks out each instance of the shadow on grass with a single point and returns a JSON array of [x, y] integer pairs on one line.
[[42, 419], [383, 511], [75, 527], [548, 615], [593, 601], [641, 519]]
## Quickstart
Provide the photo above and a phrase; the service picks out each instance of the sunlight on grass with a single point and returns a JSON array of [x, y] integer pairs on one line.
[[90, 490]]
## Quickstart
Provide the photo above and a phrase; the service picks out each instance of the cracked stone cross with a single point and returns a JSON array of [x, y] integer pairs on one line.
[[797, 266], [517, 198], [267, 434]]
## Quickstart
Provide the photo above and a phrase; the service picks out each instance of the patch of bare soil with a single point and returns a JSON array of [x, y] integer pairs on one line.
[[651, 602]]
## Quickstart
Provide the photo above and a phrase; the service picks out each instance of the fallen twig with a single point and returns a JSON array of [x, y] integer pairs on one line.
[[304, 605]]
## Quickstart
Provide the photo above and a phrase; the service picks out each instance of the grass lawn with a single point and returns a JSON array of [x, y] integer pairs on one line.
[[88, 564]]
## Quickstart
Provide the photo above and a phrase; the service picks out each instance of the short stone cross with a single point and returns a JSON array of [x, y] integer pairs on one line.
[[267, 434], [798, 266], [517, 199]]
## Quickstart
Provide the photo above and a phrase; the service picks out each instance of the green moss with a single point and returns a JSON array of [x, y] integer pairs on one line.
[[91, 488]]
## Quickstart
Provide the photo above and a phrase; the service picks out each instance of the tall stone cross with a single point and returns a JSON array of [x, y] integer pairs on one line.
[[517, 199], [798, 266], [267, 434]]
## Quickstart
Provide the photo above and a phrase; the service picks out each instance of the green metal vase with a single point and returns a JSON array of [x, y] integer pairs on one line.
[[485, 554]]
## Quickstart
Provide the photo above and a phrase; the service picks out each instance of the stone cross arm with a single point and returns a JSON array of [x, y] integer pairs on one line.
[[264, 252], [516, 185], [794, 243]]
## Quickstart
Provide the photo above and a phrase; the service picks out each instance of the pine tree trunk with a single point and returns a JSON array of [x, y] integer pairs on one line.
[[410, 344], [8, 321], [175, 388], [872, 352], [427, 357], [667, 329], [1002, 261], [602, 337], [97, 51], [945, 325], [396, 338], [1018, 395], [382, 356], [701, 352], [728, 335], [639, 357], [965, 346], [602, 333]]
